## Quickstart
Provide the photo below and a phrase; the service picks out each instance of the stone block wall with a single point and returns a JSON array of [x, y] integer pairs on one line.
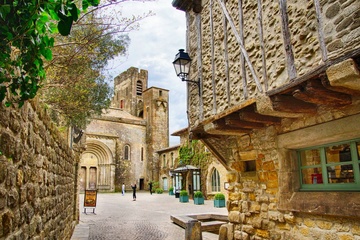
[[259, 207], [38, 177]]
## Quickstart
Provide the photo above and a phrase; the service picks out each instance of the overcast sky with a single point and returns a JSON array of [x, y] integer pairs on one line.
[[153, 48]]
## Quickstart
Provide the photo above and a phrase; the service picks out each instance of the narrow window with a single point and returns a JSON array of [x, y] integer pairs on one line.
[[164, 160], [139, 89], [215, 181], [121, 104], [160, 93], [127, 152], [172, 159], [142, 154]]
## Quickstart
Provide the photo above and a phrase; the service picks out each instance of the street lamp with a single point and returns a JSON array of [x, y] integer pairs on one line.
[[182, 64]]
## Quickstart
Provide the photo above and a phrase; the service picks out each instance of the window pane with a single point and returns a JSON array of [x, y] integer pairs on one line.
[[312, 176], [310, 157], [341, 174], [338, 153]]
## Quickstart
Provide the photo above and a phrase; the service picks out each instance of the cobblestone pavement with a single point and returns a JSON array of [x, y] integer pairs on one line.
[[147, 218]]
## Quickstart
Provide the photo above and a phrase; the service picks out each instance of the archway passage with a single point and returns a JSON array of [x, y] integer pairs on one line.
[[96, 168]]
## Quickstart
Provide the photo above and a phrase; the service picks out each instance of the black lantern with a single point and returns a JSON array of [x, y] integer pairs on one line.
[[182, 64]]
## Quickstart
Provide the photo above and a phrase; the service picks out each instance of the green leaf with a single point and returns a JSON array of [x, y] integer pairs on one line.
[[74, 12], [64, 26], [4, 11]]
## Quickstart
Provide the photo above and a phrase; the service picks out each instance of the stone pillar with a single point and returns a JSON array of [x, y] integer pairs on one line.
[[193, 230]]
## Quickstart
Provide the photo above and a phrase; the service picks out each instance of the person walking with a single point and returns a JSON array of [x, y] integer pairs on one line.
[[134, 191], [123, 189], [150, 187]]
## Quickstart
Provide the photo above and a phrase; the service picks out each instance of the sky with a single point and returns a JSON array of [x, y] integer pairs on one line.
[[153, 48]]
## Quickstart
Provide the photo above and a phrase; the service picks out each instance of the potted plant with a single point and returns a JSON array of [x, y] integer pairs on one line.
[[219, 200], [198, 198], [159, 190], [184, 196], [171, 191]]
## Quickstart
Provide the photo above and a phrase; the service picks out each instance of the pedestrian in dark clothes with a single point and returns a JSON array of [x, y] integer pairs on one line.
[[134, 191], [150, 187]]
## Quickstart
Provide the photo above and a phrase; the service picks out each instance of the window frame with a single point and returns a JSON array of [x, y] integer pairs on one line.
[[326, 186], [215, 177]]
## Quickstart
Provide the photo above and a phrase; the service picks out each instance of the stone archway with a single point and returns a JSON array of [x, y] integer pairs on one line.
[[97, 170]]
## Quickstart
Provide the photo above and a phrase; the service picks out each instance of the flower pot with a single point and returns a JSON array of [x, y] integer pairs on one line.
[[171, 193], [219, 203], [184, 198], [199, 201]]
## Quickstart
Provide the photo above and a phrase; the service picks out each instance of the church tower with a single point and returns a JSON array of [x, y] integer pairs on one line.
[[128, 91], [156, 114]]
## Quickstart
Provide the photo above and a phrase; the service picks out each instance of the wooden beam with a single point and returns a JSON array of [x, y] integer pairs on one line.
[[243, 124], [220, 128], [262, 47], [242, 58], [212, 58], [320, 28], [315, 92], [284, 103], [291, 69], [256, 117]]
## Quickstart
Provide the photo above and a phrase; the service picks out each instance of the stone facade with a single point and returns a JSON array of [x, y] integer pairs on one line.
[[38, 176], [169, 161], [277, 78], [121, 143]]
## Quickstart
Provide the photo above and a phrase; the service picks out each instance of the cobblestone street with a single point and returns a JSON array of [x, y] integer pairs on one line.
[[119, 217]]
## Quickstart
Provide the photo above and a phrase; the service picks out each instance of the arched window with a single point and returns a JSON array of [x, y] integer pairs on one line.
[[172, 159], [139, 89], [215, 181], [127, 152], [164, 160]]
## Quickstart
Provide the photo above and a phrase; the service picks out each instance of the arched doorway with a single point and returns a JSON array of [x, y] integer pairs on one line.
[[97, 168]]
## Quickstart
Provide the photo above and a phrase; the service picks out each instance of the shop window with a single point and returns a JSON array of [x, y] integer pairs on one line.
[[331, 167], [215, 181]]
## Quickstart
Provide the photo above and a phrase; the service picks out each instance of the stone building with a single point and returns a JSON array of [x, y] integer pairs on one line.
[[279, 106], [121, 143], [208, 176]]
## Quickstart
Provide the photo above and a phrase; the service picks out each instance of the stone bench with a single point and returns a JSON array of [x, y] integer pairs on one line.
[[209, 222]]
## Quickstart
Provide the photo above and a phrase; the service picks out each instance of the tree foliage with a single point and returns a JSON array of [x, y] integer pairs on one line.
[[71, 79], [25, 28]]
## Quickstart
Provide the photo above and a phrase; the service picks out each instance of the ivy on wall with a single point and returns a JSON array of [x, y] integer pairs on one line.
[[194, 154]]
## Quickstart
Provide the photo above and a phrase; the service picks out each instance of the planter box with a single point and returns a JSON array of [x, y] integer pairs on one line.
[[184, 198], [198, 201], [171, 193], [219, 203]]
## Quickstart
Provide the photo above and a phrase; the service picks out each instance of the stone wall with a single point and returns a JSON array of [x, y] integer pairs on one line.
[[38, 177], [268, 206]]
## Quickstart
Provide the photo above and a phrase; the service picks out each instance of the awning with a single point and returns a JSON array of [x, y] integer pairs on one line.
[[185, 168]]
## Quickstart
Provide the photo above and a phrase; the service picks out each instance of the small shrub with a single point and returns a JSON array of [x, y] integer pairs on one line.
[[219, 196], [159, 190], [198, 194], [184, 193]]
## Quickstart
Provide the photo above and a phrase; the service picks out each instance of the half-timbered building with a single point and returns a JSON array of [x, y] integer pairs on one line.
[[279, 83]]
